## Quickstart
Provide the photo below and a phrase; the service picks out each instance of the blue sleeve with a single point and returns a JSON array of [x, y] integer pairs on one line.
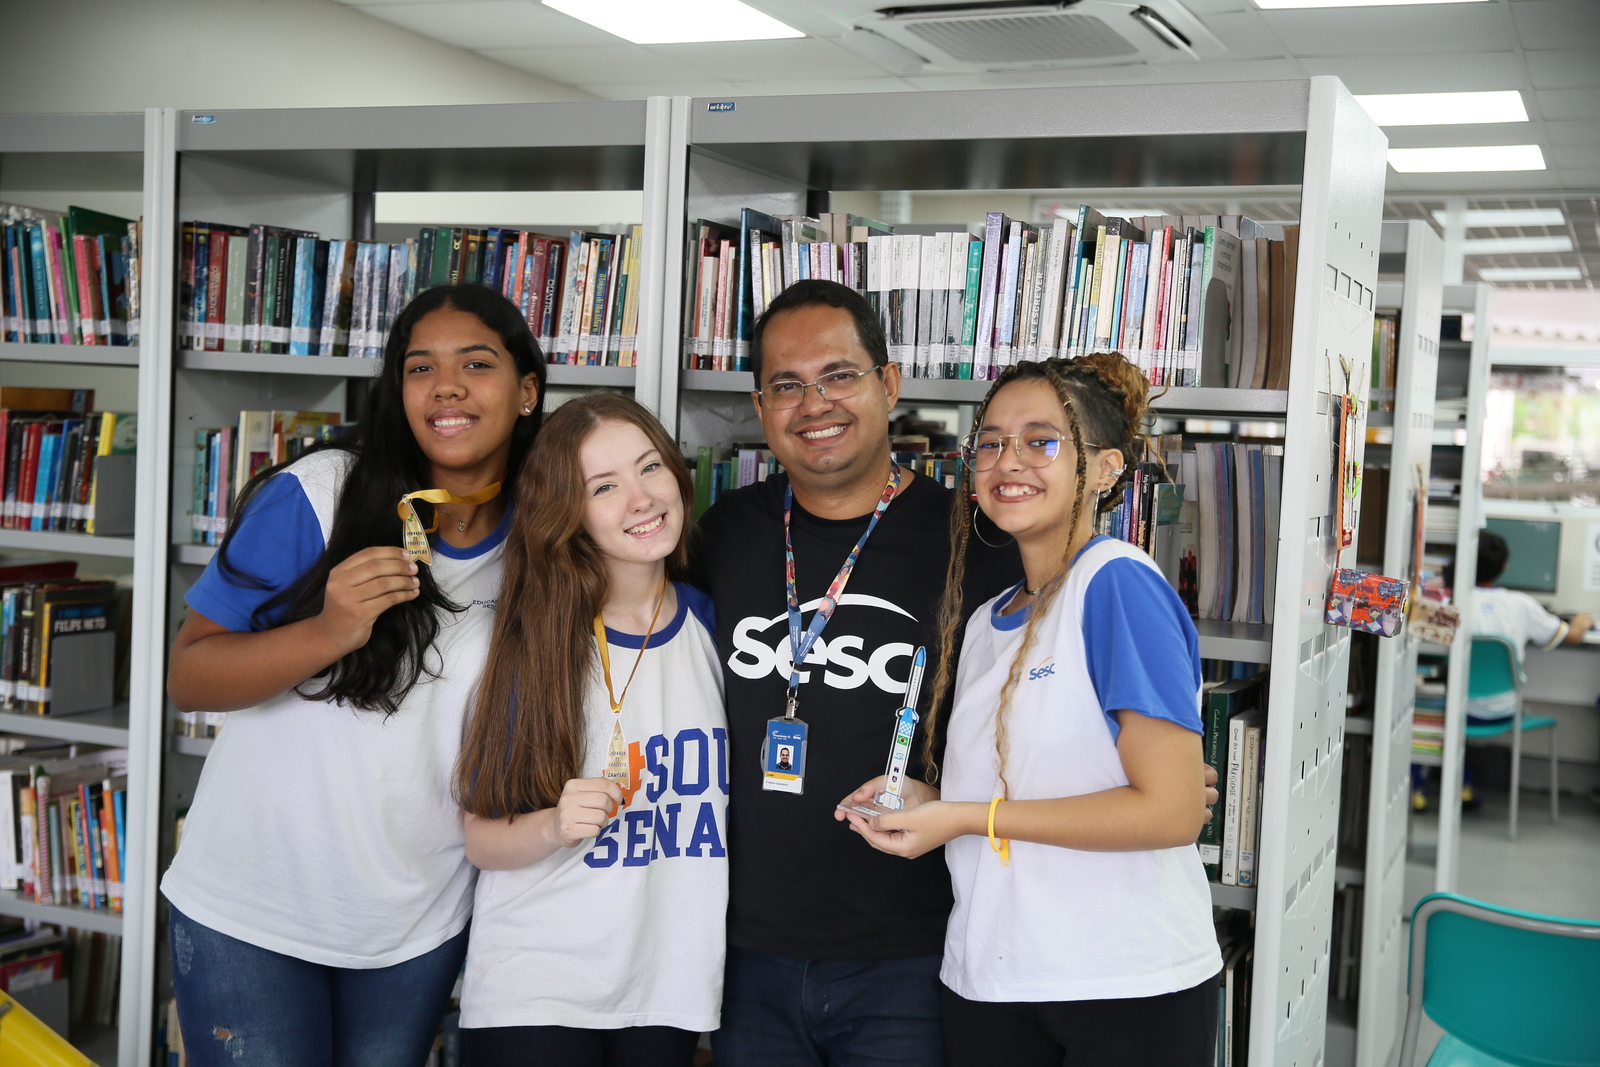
[[276, 540], [700, 604], [1142, 650]]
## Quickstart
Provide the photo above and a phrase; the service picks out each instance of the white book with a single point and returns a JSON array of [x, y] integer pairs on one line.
[[955, 302], [935, 282], [1254, 738], [927, 278], [1243, 532], [10, 865], [1062, 238], [1234, 794]]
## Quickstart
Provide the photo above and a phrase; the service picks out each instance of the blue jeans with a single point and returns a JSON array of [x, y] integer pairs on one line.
[[782, 1012], [245, 1006]]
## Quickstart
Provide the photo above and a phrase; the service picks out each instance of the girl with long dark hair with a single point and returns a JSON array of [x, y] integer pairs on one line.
[[321, 892], [594, 772], [1073, 787]]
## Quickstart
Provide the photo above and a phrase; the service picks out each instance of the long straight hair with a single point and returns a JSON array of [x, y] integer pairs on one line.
[[1105, 398], [528, 731], [389, 463]]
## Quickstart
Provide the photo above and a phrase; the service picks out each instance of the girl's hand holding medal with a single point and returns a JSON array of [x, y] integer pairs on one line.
[[586, 805], [360, 589]]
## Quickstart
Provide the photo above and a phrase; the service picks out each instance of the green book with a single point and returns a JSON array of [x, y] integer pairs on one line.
[[1223, 700], [969, 308], [703, 464]]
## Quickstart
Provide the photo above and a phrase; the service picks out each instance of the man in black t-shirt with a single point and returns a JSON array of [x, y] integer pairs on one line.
[[833, 947]]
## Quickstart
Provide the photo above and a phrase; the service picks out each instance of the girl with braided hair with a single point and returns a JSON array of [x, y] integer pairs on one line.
[[1073, 785]]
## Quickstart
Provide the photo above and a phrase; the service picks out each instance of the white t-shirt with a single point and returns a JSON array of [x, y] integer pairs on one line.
[[627, 930], [1518, 618], [1060, 924], [324, 832]]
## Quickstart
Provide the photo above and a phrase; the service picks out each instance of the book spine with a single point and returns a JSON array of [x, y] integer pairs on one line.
[[1251, 789], [1235, 799], [993, 251]]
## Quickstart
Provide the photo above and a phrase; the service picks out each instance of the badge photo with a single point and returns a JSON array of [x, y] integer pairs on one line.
[[783, 756]]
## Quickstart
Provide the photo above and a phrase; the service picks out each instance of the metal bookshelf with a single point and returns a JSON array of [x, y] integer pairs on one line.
[[1370, 1036], [80, 156], [1478, 300], [92, 355], [786, 154]]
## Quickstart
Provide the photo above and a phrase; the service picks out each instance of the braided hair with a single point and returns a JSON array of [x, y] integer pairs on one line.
[[1106, 400]]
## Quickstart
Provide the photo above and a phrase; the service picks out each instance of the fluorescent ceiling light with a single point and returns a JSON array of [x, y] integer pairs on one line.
[[1280, 5], [1507, 246], [1530, 274], [1511, 216], [676, 21], [1444, 109], [1467, 157]]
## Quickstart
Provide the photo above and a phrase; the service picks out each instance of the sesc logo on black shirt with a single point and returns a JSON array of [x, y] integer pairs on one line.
[[761, 647]]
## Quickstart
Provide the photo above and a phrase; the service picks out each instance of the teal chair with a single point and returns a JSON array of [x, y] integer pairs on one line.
[[1497, 670], [1509, 988]]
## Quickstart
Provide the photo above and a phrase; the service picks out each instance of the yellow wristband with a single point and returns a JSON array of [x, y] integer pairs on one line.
[[1003, 845]]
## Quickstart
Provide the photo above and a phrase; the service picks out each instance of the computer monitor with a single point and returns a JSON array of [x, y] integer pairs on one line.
[[1534, 553]]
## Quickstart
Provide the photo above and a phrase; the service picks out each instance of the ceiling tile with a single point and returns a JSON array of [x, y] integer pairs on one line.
[[1557, 23], [1448, 136], [610, 91], [1423, 74], [1243, 70], [1424, 29], [1245, 34], [1568, 103], [1575, 155], [1586, 178], [802, 58], [885, 84], [475, 24], [618, 65], [1573, 131], [1571, 69]]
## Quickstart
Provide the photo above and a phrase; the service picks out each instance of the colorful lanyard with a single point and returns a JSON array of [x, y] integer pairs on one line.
[[800, 643]]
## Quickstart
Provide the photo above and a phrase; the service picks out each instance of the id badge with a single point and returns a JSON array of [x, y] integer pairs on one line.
[[783, 756]]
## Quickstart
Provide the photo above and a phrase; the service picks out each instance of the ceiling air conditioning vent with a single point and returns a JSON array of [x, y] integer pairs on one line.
[[1075, 33]]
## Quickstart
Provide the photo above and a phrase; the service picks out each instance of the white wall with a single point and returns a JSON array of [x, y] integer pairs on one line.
[[126, 55]]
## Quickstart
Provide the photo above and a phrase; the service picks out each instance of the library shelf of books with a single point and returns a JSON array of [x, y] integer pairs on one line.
[[79, 561], [1366, 971], [778, 166]]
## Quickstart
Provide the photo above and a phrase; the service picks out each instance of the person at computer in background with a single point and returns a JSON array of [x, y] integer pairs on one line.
[[1514, 615], [1517, 617]]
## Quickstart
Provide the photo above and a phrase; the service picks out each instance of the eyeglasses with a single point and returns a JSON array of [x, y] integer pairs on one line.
[[1037, 448], [835, 385]]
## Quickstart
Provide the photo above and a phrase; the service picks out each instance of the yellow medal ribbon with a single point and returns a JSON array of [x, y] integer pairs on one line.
[[415, 540], [617, 751]]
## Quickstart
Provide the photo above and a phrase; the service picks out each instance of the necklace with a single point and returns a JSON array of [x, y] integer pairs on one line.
[[617, 752], [461, 524]]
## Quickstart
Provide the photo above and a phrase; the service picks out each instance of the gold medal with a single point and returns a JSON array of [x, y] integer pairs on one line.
[[414, 538], [617, 752]]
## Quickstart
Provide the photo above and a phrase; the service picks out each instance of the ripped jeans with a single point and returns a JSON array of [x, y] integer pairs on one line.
[[244, 1006]]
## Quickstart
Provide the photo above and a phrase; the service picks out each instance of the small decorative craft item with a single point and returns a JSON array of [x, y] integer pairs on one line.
[[1367, 602], [1434, 620]]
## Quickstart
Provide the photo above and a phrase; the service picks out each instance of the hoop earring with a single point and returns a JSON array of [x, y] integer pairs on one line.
[[979, 533]]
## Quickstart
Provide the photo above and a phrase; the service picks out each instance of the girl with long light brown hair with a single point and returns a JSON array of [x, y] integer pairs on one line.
[[594, 771], [1072, 786]]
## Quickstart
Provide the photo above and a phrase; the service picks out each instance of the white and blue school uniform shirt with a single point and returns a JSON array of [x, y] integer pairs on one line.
[[1058, 923], [627, 929], [322, 831]]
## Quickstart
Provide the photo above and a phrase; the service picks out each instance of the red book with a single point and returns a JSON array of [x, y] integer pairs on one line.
[[88, 290], [27, 475], [216, 289]]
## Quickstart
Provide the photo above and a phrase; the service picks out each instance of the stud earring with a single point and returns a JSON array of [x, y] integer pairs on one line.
[[526, 410]]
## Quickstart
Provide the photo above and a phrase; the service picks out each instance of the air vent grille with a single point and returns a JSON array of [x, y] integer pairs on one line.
[[1025, 39]]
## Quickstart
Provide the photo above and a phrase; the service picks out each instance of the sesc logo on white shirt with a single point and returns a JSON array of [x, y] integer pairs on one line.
[[761, 647]]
